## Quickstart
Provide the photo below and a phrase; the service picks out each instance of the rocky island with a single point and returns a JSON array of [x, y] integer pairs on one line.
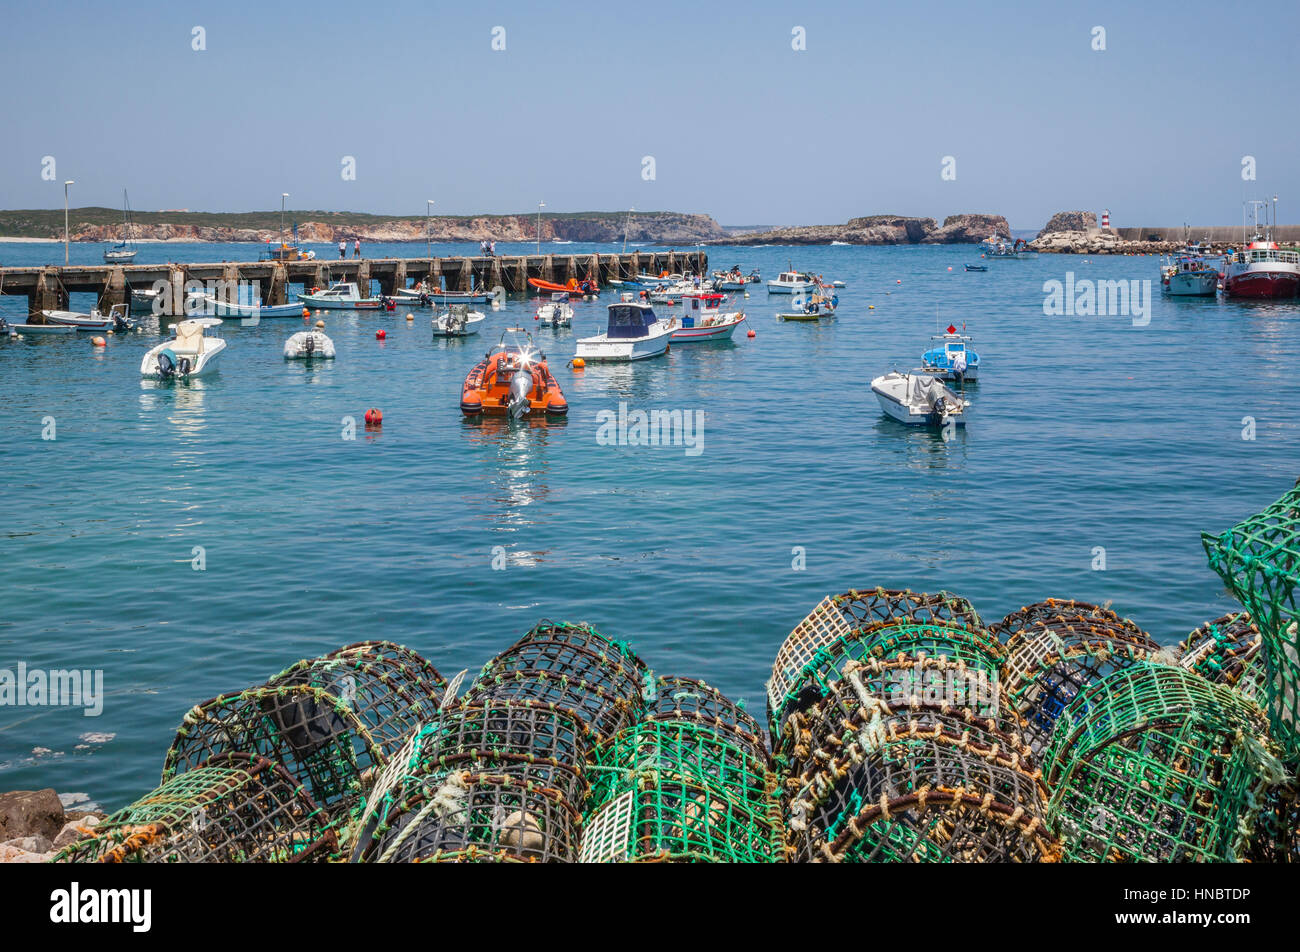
[[881, 230]]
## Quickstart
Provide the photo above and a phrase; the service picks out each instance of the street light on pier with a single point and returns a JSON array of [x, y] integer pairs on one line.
[[540, 206], [283, 196], [65, 220], [428, 227]]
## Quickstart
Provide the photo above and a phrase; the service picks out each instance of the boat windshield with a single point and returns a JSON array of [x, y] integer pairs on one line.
[[628, 320]]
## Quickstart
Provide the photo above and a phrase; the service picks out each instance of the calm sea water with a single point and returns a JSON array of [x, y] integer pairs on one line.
[[1087, 432]]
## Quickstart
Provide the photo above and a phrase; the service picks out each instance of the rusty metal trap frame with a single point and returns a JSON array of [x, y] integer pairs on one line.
[[1155, 764], [973, 659], [331, 721], [573, 668], [838, 615], [1226, 651], [686, 699], [918, 781], [678, 790], [481, 818], [1055, 649], [525, 740], [1259, 561], [236, 808]]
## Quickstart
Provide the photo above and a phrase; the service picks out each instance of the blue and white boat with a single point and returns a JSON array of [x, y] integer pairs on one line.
[[1190, 275], [632, 333], [210, 304], [952, 359]]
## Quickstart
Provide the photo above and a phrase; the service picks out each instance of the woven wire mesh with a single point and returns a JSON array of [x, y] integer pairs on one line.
[[331, 721], [838, 615], [236, 808], [684, 791], [1226, 651], [1259, 560], [1055, 649], [1155, 764], [692, 701], [481, 817], [975, 659], [883, 776], [572, 668], [523, 740]]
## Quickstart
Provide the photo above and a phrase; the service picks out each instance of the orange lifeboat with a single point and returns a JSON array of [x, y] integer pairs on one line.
[[512, 380]]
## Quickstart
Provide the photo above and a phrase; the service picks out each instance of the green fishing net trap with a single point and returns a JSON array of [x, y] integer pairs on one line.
[[909, 756], [1259, 561], [236, 808], [1155, 764], [1055, 649], [332, 721], [1226, 651], [488, 779]]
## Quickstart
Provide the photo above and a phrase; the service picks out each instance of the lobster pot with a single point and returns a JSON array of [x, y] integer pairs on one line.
[[694, 702], [572, 668], [236, 808], [1055, 649], [839, 615], [678, 791], [1276, 837], [481, 818], [519, 739], [968, 675], [332, 721], [882, 775], [1155, 764], [1259, 560], [1226, 651]]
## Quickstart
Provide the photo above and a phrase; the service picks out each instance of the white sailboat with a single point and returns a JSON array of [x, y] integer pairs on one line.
[[124, 251]]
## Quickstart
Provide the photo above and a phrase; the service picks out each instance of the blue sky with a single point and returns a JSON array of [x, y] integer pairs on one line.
[[740, 125]]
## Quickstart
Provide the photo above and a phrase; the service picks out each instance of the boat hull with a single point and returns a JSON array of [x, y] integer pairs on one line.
[[1193, 284], [205, 364], [81, 322], [715, 332], [777, 287], [1262, 284], [221, 309], [603, 348]]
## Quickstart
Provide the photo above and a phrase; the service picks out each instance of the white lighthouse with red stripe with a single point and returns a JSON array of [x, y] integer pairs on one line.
[[1105, 219]]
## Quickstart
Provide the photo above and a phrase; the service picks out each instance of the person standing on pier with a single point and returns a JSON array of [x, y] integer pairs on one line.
[[356, 248], [343, 248]]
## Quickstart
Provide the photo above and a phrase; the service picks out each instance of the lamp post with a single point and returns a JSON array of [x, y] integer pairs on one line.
[[65, 220], [428, 227], [283, 196], [540, 206], [625, 227]]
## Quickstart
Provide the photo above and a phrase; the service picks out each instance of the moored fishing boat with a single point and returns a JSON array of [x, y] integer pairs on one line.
[[702, 319], [211, 304], [557, 312], [811, 307], [632, 332], [114, 320], [124, 251], [952, 359], [919, 399], [426, 294], [792, 282], [345, 296], [457, 321], [191, 353], [977, 267], [512, 380], [1263, 270], [1189, 275]]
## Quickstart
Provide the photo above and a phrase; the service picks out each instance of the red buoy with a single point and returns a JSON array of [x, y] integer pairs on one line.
[[380, 334], [751, 333], [374, 417]]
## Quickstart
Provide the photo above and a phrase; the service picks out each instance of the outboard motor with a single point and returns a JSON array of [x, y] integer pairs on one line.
[[309, 345], [166, 366], [517, 400]]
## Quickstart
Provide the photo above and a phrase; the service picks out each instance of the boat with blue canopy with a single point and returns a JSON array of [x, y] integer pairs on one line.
[[632, 332], [952, 359]]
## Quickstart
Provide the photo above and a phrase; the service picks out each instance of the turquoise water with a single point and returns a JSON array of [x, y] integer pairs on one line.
[[1086, 432]]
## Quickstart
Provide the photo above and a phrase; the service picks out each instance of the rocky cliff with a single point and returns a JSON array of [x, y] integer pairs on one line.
[[1069, 221], [881, 230]]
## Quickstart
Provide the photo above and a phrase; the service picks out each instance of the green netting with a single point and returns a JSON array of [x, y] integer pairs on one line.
[[1055, 649], [573, 668], [1227, 651], [1259, 560], [1155, 764], [883, 776], [666, 790], [974, 659], [686, 699], [527, 741], [331, 721], [839, 615], [236, 808], [1276, 836]]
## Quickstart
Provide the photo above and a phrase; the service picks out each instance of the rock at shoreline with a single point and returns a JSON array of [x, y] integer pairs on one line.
[[880, 230], [30, 813], [1098, 243], [1069, 221]]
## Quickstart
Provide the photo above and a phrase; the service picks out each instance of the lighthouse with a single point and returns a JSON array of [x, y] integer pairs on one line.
[[1105, 219]]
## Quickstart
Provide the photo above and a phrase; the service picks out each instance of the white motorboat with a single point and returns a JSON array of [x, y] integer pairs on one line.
[[145, 299], [457, 321], [344, 295], [792, 282], [114, 320], [191, 353], [557, 312], [306, 345], [702, 319], [919, 399], [211, 304], [632, 332]]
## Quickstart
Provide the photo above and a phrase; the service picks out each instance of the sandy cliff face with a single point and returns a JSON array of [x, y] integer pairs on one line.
[[882, 230]]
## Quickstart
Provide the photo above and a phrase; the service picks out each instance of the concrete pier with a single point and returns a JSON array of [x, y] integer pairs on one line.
[[48, 288]]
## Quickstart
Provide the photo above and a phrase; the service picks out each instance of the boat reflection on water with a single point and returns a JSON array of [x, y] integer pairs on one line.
[[515, 452]]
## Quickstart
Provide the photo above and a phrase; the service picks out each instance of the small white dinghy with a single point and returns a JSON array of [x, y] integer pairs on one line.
[[307, 345], [457, 321], [191, 353], [557, 312], [919, 400]]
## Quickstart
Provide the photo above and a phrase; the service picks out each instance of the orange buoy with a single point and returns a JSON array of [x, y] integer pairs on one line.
[[380, 334], [306, 312], [374, 417], [871, 307], [99, 342], [750, 333], [949, 267], [577, 363]]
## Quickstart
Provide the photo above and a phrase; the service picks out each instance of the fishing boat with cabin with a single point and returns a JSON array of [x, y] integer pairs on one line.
[[952, 359], [632, 333], [702, 319]]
